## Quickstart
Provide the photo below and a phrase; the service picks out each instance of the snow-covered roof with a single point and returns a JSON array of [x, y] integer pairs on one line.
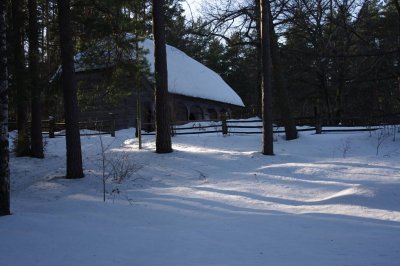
[[186, 76]]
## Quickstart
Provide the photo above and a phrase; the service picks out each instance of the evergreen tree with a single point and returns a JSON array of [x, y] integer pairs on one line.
[[299, 66], [279, 85], [342, 60], [36, 120], [73, 142], [176, 30], [360, 69], [214, 56], [107, 34], [241, 70], [18, 78], [163, 131], [396, 4], [268, 136]]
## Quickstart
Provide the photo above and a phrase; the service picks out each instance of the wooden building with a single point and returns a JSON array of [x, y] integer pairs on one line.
[[195, 92]]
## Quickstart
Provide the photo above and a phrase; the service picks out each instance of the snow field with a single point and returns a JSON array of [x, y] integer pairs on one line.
[[321, 200]]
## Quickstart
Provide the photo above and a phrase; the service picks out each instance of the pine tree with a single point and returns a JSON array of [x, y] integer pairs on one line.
[[4, 154], [73, 141], [163, 131], [242, 71], [18, 79], [396, 3], [279, 86], [105, 29], [214, 56], [268, 137]]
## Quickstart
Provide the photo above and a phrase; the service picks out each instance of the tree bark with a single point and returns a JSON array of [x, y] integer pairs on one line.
[[397, 6], [163, 130], [4, 154], [259, 56], [36, 122], [280, 87], [268, 135], [18, 77], [73, 141]]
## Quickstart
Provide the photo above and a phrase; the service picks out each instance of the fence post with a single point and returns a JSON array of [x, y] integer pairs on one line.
[[318, 127], [112, 125], [136, 129], [52, 125], [172, 130], [224, 125]]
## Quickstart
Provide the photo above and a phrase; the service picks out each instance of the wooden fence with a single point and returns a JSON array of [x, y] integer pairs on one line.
[[254, 126], [55, 129]]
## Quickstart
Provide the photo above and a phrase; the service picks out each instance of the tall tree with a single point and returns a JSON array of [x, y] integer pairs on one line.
[[397, 5], [73, 141], [4, 169], [163, 131], [36, 120], [280, 86], [268, 136], [223, 16], [18, 78], [257, 12]]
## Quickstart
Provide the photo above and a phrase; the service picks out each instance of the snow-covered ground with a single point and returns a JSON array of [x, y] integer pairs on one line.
[[321, 200]]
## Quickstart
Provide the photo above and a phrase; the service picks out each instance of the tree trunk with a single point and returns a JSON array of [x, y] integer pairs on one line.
[[18, 77], [280, 87], [268, 135], [339, 104], [258, 95], [73, 141], [4, 157], [163, 131], [323, 92], [397, 5], [36, 122]]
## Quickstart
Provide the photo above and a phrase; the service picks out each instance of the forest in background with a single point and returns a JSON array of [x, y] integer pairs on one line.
[[334, 59], [340, 57]]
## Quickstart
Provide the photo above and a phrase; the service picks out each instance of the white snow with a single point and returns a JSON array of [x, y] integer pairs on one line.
[[321, 200], [188, 77]]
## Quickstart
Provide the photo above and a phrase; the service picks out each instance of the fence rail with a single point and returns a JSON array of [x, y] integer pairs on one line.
[[313, 124], [225, 127], [53, 129]]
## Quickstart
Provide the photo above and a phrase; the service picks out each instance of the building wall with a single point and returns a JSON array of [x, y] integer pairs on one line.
[[189, 108], [182, 108]]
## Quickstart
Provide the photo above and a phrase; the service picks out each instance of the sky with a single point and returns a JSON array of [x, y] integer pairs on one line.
[[192, 7]]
